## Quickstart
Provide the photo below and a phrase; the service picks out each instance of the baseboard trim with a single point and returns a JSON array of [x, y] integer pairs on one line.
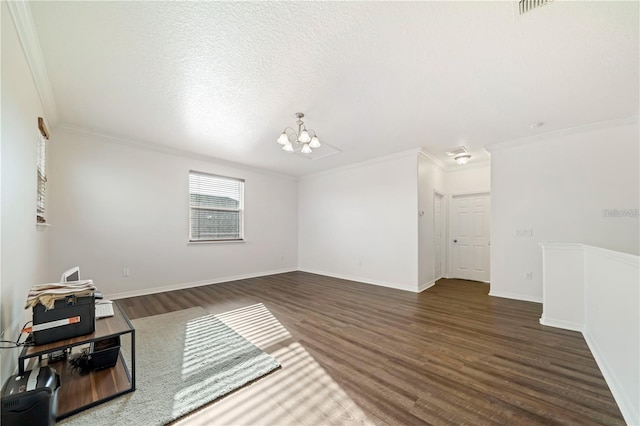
[[567, 325], [181, 286], [627, 408], [357, 279], [424, 286], [516, 296]]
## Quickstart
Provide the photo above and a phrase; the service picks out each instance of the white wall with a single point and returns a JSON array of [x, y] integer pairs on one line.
[[24, 247], [360, 223], [118, 206], [468, 179], [431, 178], [558, 186], [563, 285]]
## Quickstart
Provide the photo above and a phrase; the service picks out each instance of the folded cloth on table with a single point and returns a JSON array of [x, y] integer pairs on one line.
[[47, 294]]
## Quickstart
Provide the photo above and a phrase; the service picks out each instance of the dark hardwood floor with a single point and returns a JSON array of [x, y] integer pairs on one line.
[[449, 355]]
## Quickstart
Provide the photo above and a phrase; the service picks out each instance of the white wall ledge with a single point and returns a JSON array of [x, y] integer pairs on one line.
[[597, 291], [562, 246]]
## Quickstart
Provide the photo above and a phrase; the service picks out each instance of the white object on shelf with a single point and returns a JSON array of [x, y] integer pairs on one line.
[[104, 308]]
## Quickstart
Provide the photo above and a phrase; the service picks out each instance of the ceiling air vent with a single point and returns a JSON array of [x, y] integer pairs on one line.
[[528, 5], [458, 150]]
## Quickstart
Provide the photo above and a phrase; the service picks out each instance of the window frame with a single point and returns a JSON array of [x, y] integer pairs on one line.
[[240, 210], [41, 173]]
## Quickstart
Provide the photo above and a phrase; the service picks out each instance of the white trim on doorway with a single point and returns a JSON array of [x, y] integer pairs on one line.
[[443, 216], [450, 235]]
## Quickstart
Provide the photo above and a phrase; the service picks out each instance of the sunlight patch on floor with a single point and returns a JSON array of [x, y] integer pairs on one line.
[[301, 392], [256, 324]]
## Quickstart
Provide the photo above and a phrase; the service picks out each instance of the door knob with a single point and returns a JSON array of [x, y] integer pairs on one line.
[[455, 241]]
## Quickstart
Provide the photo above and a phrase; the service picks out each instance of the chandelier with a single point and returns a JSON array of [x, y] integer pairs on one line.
[[304, 138]]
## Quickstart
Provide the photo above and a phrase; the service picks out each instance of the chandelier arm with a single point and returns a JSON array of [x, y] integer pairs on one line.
[[291, 134]]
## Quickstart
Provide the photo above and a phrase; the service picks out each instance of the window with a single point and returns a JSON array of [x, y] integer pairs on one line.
[[216, 207], [41, 159]]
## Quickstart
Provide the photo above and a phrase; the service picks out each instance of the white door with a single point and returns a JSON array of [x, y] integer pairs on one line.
[[438, 235], [469, 243]]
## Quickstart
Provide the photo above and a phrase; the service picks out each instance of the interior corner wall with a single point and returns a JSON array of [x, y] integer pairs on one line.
[[24, 247], [117, 206], [360, 223], [431, 179], [562, 188]]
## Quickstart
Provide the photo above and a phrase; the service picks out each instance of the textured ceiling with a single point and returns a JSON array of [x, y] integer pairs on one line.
[[223, 79]]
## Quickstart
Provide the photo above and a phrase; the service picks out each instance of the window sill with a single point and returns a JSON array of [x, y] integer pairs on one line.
[[197, 243]]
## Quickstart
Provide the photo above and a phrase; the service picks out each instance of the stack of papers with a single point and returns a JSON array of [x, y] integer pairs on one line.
[[47, 294]]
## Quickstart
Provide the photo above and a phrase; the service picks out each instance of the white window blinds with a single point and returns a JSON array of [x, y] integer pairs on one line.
[[42, 179], [216, 207]]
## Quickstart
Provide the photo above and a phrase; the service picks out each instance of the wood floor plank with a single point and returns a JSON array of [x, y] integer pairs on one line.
[[449, 355]]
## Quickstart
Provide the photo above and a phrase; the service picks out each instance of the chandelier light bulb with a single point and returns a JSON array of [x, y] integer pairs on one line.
[[284, 139], [306, 149], [288, 147], [315, 143], [304, 137]]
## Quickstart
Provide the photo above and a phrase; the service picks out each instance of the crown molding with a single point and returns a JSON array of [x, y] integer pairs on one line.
[[447, 168], [409, 153], [148, 146], [28, 36], [472, 165], [417, 152], [428, 156], [563, 132]]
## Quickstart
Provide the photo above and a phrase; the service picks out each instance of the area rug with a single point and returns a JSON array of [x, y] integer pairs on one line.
[[185, 360]]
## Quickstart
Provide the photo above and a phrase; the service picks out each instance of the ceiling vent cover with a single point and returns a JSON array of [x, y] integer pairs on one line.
[[458, 150], [528, 5]]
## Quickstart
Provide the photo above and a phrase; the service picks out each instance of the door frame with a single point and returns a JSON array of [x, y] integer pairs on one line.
[[449, 232], [444, 233]]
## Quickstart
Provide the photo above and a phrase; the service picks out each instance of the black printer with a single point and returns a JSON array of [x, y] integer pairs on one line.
[[31, 398], [70, 317]]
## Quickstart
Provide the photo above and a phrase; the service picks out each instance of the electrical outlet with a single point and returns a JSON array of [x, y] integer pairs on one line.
[[528, 276], [125, 272]]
